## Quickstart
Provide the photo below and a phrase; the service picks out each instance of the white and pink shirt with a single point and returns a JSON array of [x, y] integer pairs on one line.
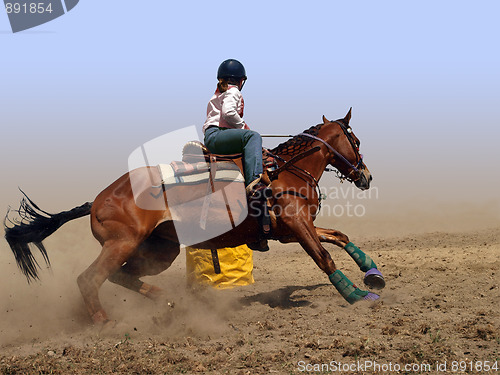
[[226, 110]]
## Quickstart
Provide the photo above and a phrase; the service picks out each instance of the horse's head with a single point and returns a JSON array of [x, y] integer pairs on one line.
[[347, 159]]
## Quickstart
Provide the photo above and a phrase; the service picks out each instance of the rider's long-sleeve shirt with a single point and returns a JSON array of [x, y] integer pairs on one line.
[[226, 110]]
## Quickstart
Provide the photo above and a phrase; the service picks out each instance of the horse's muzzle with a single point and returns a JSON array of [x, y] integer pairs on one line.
[[364, 180]]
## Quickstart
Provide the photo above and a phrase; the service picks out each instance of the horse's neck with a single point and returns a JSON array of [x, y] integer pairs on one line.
[[316, 167], [323, 160], [314, 164]]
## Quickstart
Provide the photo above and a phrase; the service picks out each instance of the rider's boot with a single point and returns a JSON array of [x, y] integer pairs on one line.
[[261, 245], [258, 195]]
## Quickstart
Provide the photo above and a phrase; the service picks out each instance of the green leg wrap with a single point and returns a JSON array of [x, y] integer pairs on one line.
[[364, 262], [346, 288]]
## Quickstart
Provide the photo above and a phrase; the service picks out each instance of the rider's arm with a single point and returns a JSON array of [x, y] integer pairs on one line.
[[231, 107]]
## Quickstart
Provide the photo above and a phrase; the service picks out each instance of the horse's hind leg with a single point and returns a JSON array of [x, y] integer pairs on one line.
[[153, 257], [114, 253], [373, 277], [131, 281]]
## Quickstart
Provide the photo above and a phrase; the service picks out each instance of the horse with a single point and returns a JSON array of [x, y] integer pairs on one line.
[[137, 242]]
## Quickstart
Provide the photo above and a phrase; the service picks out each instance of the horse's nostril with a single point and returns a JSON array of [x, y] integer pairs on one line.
[[371, 178]]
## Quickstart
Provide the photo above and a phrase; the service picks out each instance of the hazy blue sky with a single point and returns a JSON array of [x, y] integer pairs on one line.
[[78, 94]]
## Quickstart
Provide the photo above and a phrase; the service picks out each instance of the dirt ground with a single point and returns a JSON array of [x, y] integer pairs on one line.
[[441, 304]]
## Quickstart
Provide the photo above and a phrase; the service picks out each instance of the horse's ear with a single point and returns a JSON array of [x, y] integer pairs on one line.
[[325, 120], [347, 117]]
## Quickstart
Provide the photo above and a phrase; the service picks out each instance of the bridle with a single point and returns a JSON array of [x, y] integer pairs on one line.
[[354, 168]]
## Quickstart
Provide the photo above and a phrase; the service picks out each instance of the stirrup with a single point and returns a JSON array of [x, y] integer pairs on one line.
[[250, 188], [260, 192]]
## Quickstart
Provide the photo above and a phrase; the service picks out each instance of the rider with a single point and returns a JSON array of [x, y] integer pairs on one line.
[[224, 129], [226, 133]]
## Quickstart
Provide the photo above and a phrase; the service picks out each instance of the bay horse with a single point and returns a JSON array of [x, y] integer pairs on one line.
[[137, 242]]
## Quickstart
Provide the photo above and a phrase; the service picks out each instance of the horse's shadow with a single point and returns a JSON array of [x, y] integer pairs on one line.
[[281, 298]]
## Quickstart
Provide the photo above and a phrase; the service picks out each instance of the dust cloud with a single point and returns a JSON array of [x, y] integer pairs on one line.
[[52, 309]]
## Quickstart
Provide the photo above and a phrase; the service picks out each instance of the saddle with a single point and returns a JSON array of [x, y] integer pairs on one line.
[[199, 165], [195, 151]]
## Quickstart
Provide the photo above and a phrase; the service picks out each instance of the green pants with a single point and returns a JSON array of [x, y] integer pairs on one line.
[[234, 141]]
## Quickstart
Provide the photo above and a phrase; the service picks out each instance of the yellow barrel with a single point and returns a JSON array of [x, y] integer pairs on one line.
[[220, 268]]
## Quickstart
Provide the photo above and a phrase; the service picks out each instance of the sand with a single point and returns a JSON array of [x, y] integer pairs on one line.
[[440, 305]]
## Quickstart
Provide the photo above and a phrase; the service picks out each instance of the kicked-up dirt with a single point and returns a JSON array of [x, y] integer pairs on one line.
[[440, 308]]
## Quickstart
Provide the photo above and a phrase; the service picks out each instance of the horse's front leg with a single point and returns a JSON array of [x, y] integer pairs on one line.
[[373, 277], [325, 235], [332, 236], [305, 233]]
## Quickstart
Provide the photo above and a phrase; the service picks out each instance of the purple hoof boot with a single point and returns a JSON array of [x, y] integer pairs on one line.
[[374, 279], [371, 297]]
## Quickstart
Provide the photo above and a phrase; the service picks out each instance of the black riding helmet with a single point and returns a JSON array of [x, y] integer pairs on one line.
[[233, 71]]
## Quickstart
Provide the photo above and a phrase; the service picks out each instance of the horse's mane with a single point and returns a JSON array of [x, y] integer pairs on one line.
[[298, 143]]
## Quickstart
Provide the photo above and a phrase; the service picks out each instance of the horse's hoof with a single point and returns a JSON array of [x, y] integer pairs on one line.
[[104, 328], [107, 326], [371, 297], [374, 279]]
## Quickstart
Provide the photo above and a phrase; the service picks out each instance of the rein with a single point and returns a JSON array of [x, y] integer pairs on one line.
[[335, 152], [354, 168]]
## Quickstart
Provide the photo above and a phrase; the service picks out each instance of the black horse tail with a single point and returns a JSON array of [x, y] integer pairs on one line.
[[31, 227]]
